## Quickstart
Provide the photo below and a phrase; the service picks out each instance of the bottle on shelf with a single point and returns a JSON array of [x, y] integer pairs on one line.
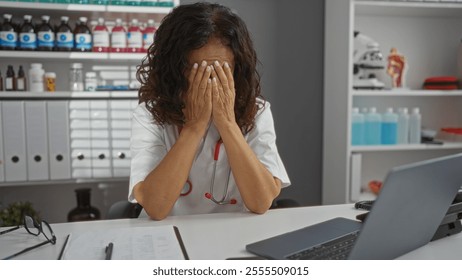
[[84, 211], [403, 126], [373, 127], [91, 81], [10, 80], [64, 36], [357, 128], [36, 74], [148, 34], [100, 37], [8, 35], [50, 81], [415, 126], [21, 81], [389, 127], [27, 36], [76, 77], [135, 37], [118, 37], [82, 35], [45, 35]]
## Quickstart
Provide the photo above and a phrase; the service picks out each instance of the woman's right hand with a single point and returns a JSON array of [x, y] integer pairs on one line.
[[198, 99]]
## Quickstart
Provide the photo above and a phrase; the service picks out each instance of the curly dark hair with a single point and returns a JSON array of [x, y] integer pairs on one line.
[[187, 28]]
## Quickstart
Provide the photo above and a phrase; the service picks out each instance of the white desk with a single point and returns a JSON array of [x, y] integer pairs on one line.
[[222, 235]]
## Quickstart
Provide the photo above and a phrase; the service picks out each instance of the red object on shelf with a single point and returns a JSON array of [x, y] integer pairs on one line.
[[375, 186], [441, 83]]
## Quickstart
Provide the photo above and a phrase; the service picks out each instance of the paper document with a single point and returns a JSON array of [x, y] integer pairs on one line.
[[133, 243]]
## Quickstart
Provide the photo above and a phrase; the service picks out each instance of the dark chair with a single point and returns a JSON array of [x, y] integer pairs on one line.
[[124, 209]]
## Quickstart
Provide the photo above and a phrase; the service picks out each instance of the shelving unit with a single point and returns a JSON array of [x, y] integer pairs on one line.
[[65, 136], [428, 35]]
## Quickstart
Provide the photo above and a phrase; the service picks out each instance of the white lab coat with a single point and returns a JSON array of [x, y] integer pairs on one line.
[[150, 143]]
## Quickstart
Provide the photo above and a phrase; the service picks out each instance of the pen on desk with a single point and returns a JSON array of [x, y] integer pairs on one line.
[[109, 250], [60, 257]]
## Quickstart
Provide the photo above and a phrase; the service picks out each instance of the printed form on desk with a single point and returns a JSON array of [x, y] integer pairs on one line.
[[134, 243]]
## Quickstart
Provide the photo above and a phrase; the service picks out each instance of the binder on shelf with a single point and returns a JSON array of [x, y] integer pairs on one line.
[[14, 141], [58, 140], [2, 159], [36, 140], [355, 176]]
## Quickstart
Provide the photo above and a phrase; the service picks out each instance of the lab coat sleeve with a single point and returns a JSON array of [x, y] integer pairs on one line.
[[147, 147], [262, 140]]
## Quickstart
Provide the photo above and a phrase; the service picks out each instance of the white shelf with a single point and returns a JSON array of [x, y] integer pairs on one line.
[[67, 94], [72, 55], [408, 92], [85, 8], [410, 147], [409, 9]]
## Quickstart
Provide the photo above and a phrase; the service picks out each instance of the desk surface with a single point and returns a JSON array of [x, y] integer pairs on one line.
[[222, 235]]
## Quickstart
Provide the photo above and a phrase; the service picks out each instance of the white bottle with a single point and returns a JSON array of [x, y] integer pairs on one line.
[[357, 128], [403, 126], [36, 77], [415, 124], [373, 123], [389, 127]]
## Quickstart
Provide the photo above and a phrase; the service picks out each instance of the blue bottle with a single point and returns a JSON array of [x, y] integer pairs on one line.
[[27, 36], [373, 127], [8, 35], [357, 128], [389, 127]]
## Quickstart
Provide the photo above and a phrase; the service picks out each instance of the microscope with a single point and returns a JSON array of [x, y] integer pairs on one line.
[[367, 59]]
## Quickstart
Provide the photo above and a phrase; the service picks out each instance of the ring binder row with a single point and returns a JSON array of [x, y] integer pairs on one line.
[[64, 139]]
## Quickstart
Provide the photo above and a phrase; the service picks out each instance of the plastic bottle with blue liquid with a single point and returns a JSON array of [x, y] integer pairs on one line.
[[403, 126], [389, 127], [357, 128], [373, 127]]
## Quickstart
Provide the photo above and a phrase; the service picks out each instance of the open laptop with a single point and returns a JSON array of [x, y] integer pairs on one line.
[[411, 205]]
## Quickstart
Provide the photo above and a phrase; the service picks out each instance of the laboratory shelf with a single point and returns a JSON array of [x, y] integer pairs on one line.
[[5, 95], [25, 55], [408, 9], [409, 147], [407, 92]]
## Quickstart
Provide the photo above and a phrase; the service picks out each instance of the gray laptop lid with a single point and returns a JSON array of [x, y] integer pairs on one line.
[[409, 209]]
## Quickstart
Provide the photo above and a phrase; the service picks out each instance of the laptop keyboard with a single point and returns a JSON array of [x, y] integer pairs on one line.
[[337, 249]]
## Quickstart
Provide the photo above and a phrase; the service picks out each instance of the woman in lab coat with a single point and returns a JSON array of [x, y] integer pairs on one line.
[[203, 138]]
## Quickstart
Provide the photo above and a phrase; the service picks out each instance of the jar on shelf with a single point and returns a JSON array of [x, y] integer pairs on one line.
[[50, 81], [84, 211], [76, 77]]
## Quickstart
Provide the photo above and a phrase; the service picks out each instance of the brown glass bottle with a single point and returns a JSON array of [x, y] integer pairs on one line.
[[82, 36], [84, 211], [21, 83], [10, 80]]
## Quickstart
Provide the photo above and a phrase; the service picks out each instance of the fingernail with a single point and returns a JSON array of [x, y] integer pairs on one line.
[[226, 65], [204, 63], [208, 69], [209, 80], [217, 63], [214, 79], [195, 66]]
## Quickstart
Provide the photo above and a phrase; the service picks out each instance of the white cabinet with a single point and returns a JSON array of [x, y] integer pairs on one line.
[[63, 135], [428, 35]]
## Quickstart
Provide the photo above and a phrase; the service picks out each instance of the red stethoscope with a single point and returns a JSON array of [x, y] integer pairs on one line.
[[209, 195]]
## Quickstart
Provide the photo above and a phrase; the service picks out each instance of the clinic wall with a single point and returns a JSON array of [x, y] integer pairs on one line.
[[289, 39]]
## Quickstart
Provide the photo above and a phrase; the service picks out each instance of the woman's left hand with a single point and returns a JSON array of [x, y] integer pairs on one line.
[[223, 95]]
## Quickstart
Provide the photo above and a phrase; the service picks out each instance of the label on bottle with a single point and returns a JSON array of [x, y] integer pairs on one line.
[[101, 38], [21, 85], [45, 39], [135, 39], [148, 39], [64, 40], [83, 41], [8, 39], [119, 40], [28, 40], [9, 83]]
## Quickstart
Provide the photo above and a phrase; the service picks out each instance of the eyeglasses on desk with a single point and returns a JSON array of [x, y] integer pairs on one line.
[[35, 228]]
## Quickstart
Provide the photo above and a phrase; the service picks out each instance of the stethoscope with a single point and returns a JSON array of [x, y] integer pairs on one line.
[[187, 189]]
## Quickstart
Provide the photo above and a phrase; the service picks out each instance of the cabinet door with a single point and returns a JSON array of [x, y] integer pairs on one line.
[[14, 137], [36, 140], [58, 140]]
